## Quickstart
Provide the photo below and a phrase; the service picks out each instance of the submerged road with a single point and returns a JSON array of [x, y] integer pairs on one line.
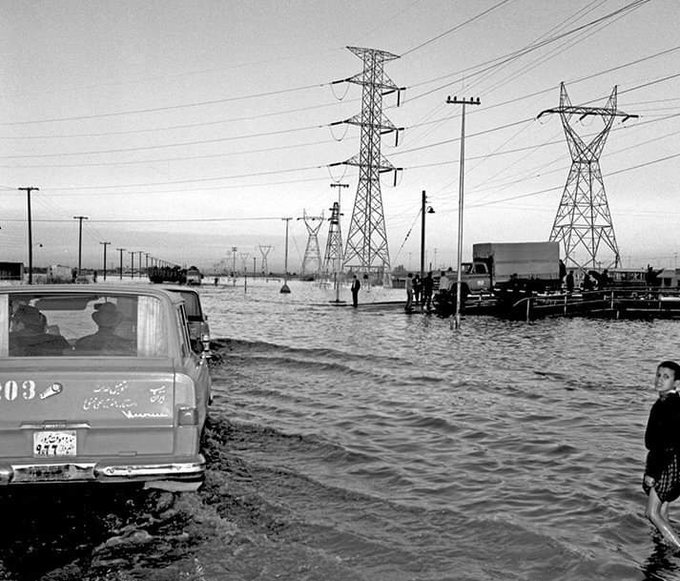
[[83, 533]]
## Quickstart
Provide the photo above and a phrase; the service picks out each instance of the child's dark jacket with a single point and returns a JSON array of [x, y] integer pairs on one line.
[[662, 436]]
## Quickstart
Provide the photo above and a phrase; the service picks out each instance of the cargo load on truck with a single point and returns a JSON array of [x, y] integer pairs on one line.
[[523, 260]]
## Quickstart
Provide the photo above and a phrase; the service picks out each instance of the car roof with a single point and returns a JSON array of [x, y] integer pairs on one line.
[[127, 289]]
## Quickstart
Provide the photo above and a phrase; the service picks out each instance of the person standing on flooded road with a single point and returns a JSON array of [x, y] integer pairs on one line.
[[417, 288], [409, 292], [661, 481], [428, 289], [356, 285]]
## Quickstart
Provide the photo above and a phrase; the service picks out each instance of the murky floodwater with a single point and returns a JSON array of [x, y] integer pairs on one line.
[[349, 445]]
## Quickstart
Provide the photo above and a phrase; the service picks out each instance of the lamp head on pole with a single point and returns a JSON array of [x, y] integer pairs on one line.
[[430, 210]]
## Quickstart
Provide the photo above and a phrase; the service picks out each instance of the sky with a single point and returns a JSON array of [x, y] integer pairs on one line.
[[188, 129]]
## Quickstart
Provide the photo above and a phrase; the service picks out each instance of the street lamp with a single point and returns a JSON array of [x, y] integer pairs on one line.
[[423, 211]]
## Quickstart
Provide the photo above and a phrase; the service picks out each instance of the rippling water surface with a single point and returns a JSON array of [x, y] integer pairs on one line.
[[392, 447]]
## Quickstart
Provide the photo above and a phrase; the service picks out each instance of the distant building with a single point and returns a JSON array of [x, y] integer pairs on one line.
[[58, 273], [11, 270]]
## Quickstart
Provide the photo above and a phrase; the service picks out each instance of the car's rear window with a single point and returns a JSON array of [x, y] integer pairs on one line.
[[81, 324]]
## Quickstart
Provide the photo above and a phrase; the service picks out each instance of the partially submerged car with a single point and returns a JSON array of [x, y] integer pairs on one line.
[[99, 384], [199, 330]]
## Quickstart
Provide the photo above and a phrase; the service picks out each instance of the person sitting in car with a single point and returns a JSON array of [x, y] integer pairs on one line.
[[105, 341], [29, 337]]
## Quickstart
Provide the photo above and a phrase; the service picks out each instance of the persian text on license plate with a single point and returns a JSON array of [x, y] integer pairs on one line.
[[47, 443]]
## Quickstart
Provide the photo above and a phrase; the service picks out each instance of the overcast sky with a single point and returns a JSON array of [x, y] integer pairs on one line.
[[187, 128]]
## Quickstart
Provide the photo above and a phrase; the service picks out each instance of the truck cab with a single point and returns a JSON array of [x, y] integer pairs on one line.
[[475, 275]]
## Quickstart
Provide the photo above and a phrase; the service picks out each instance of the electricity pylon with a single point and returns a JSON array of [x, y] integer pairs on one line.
[[583, 222], [366, 247], [264, 251], [312, 250], [332, 261]]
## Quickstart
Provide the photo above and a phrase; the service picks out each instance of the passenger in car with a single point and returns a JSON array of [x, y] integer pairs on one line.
[[105, 341], [28, 336]]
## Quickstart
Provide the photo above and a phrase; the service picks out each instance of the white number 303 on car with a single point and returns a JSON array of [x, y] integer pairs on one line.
[[100, 384]]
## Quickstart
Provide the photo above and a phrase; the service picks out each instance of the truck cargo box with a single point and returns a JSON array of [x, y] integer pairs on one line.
[[525, 259]]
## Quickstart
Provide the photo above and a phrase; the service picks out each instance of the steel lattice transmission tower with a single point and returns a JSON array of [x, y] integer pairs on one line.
[[366, 248], [312, 250], [583, 223], [332, 260], [264, 251]]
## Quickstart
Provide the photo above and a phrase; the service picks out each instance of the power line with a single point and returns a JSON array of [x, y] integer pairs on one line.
[[169, 159], [454, 28], [164, 146], [167, 108], [501, 60]]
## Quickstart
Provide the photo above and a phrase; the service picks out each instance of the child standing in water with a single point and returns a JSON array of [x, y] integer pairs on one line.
[[661, 481]]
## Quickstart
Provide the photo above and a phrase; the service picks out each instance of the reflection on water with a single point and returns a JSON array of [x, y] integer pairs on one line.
[[501, 450]]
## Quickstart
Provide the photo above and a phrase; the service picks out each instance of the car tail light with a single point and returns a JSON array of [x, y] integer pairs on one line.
[[187, 417]]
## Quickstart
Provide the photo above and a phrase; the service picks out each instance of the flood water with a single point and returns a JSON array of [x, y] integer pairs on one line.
[[370, 444], [389, 446]]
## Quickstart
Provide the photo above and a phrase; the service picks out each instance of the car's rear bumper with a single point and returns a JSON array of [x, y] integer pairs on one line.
[[185, 470]]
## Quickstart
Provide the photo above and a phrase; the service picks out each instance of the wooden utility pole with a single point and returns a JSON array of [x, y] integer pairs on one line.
[[28, 191], [80, 239], [105, 244], [121, 250]]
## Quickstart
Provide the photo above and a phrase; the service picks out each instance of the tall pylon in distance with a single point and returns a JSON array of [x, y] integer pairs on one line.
[[264, 251], [312, 250], [332, 260], [583, 224], [366, 247]]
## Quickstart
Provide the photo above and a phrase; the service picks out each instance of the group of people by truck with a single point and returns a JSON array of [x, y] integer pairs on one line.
[[419, 291], [433, 292]]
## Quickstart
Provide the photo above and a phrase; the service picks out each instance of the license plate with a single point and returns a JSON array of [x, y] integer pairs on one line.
[[54, 443]]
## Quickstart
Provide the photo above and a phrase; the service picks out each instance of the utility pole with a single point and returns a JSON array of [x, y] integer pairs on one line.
[[105, 244], [285, 288], [80, 239], [132, 263], [233, 263], [121, 250], [28, 191], [140, 252], [461, 189]]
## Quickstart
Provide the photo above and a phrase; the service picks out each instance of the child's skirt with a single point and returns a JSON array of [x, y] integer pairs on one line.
[[668, 485]]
